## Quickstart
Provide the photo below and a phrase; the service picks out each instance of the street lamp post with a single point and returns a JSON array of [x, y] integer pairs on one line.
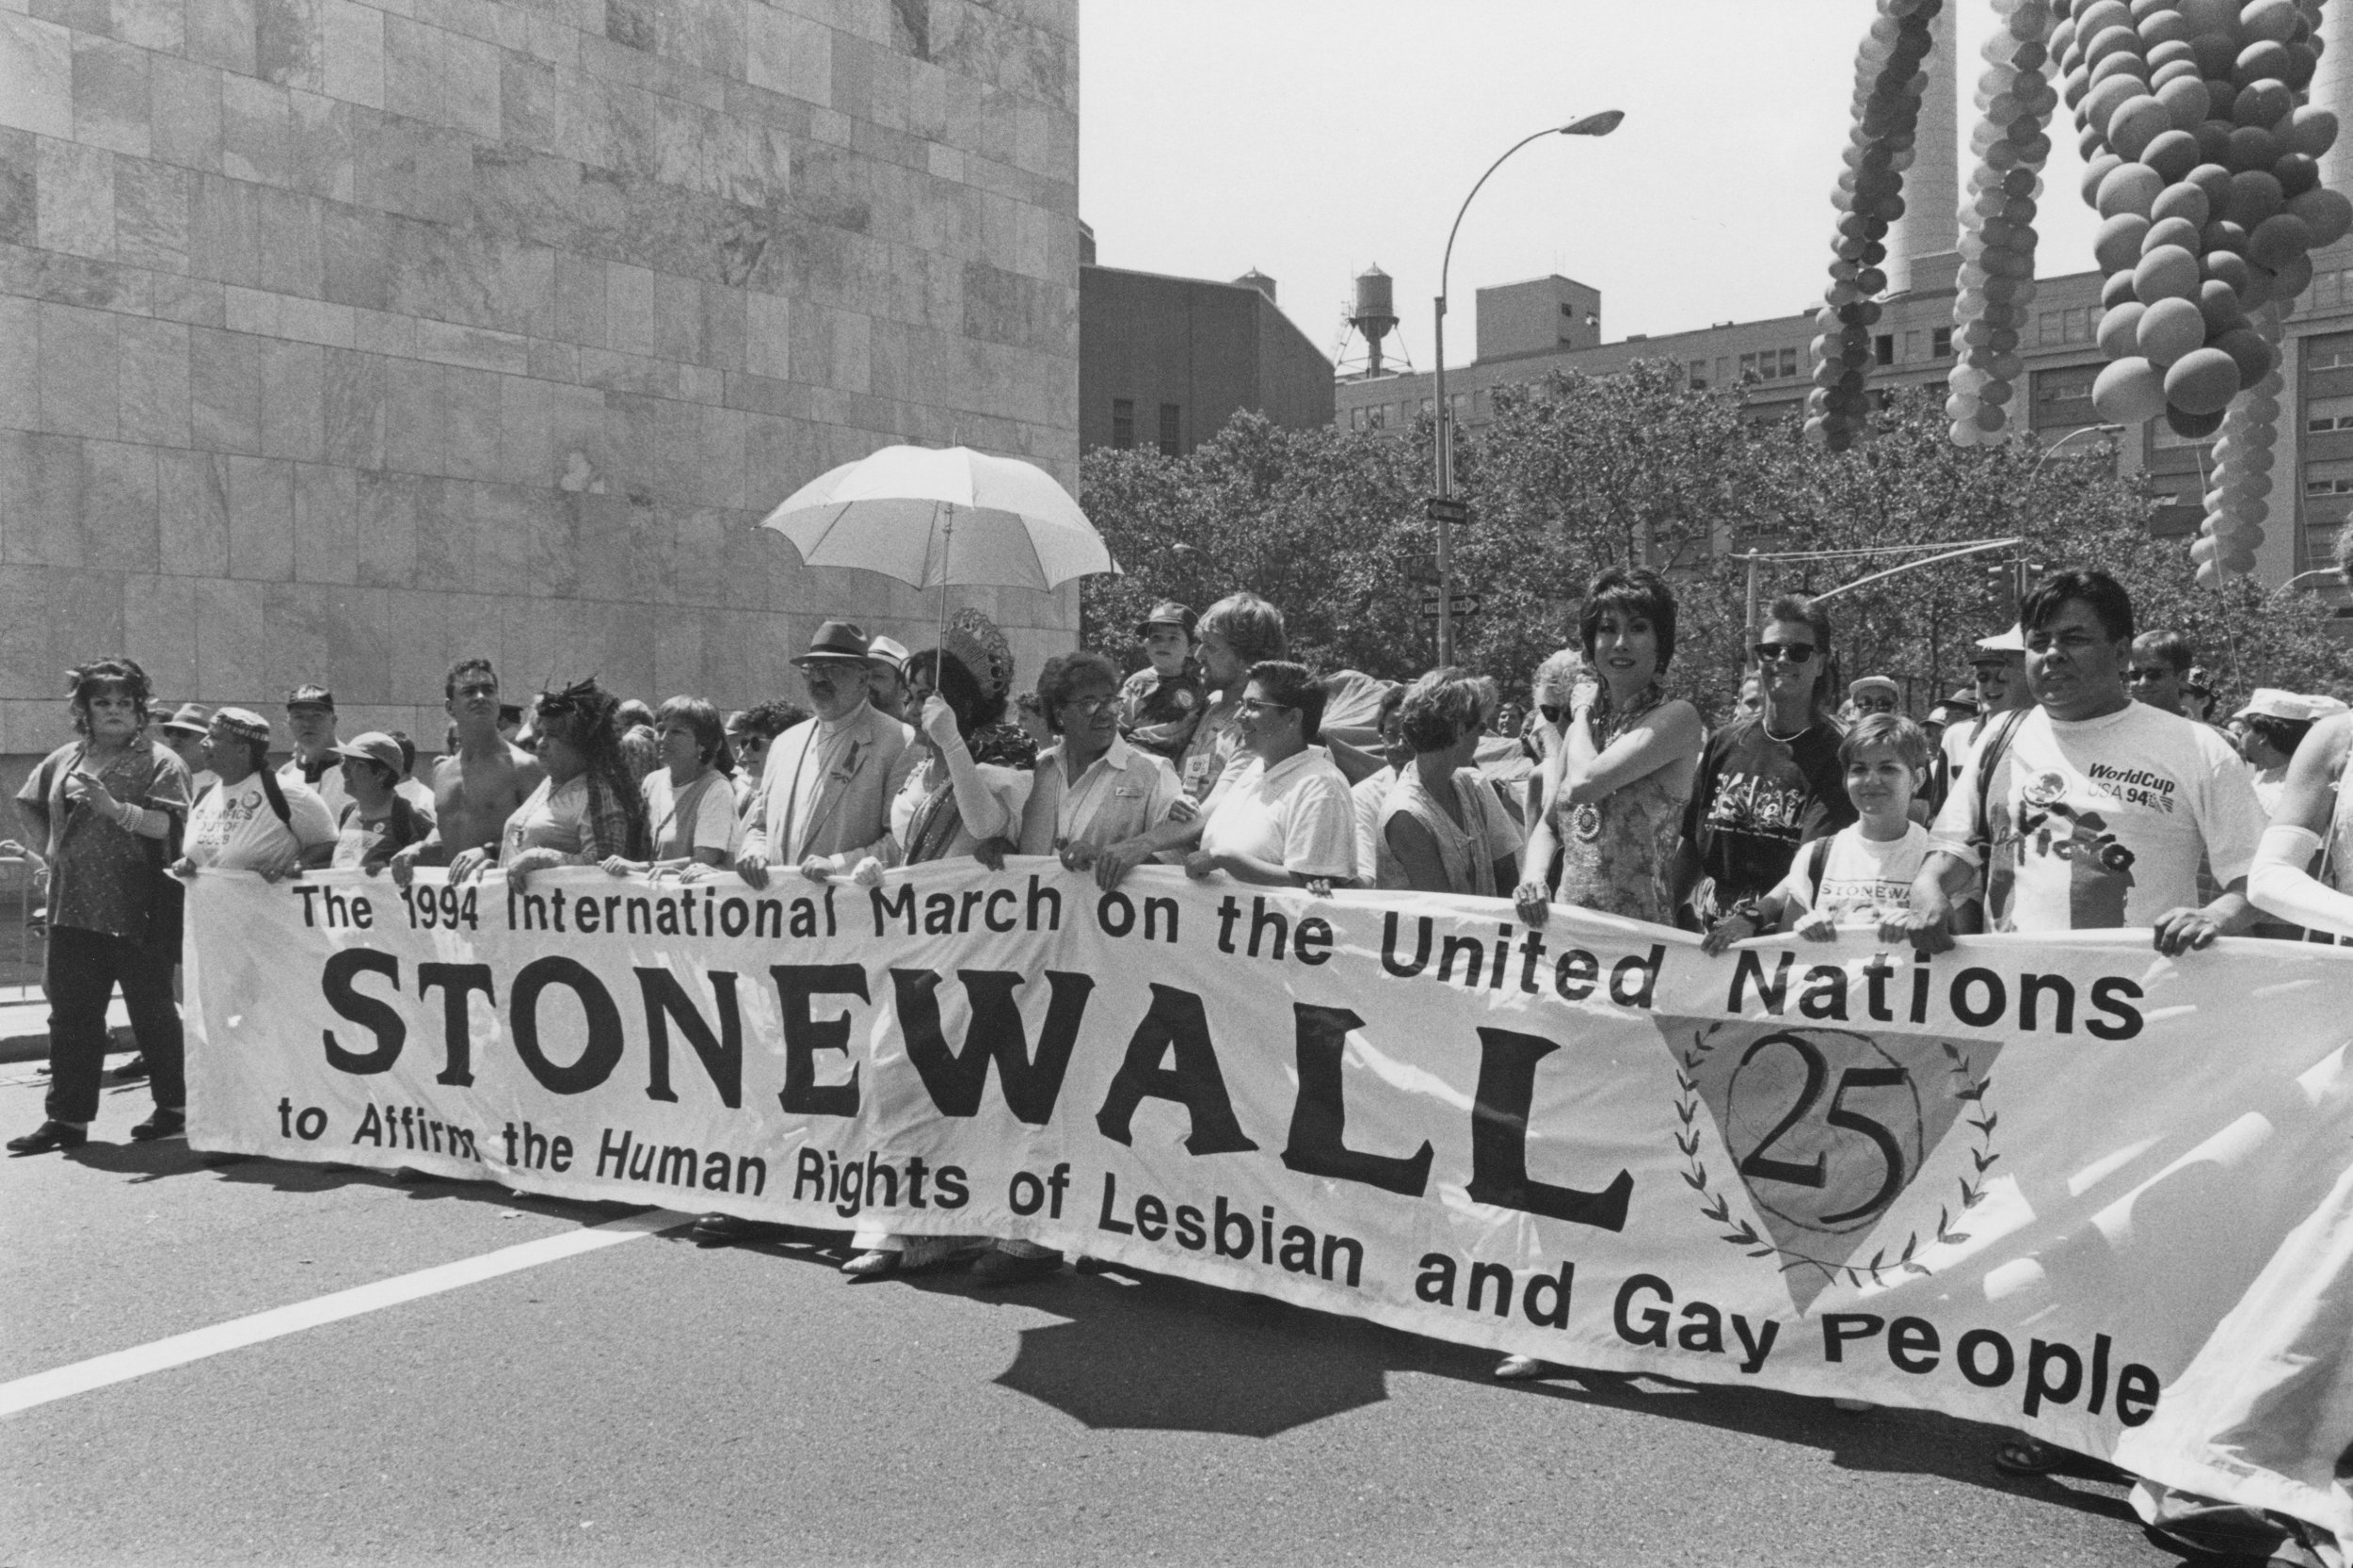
[[1592, 125]]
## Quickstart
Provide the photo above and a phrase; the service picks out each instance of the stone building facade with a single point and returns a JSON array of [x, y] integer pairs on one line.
[[340, 338]]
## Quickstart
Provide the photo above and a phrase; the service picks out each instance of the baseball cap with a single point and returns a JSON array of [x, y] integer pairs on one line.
[[310, 695], [373, 746]]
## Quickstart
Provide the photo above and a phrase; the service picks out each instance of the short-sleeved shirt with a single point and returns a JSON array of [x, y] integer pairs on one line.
[[1125, 792], [324, 779], [104, 877], [361, 843], [1756, 797], [1297, 815], [1861, 880], [715, 825], [2103, 823], [1368, 794], [235, 828]]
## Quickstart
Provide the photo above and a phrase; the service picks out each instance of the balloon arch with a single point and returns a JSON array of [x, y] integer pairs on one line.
[[2201, 154]]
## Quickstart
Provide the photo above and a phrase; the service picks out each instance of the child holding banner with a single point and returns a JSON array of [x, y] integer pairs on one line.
[[1865, 870]]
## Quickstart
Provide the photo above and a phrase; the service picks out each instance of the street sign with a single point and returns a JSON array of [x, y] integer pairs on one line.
[[1463, 605], [1446, 508], [1422, 569]]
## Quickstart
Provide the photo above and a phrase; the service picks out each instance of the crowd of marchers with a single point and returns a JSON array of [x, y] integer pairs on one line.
[[2082, 781]]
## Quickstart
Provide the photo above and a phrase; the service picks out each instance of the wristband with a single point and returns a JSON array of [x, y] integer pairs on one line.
[[127, 816]]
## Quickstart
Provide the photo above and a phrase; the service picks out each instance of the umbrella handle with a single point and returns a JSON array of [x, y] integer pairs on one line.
[[947, 538]]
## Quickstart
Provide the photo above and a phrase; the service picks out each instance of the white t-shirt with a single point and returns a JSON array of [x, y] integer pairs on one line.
[[1297, 815], [1863, 879], [330, 788], [233, 829], [1367, 796], [714, 826], [2102, 822]]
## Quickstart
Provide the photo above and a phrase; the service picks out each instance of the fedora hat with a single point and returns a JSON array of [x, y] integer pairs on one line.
[[836, 640]]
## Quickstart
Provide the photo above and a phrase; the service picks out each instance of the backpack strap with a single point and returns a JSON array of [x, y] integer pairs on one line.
[[1990, 754], [1817, 857], [277, 798]]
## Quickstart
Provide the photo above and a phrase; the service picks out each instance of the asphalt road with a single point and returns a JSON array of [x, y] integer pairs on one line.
[[656, 1402]]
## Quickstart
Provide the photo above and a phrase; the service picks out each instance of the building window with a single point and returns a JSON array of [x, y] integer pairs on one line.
[[1748, 368], [1940, 342], [1883, 348], [1171, 429], [1699, 376], [2329, 413], [1457, 404], [2050, 326], [1789, 361], [1912, 344], [2333, 352], [1355, 419], [1123, 424], [1376, 416]]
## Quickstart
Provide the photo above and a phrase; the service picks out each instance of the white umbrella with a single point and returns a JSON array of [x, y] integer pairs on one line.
[[936, 518]]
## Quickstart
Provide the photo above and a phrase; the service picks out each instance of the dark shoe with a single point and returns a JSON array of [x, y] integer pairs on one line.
[[726, 1230], [163, 1123], [48, 1137], [997, 1268], [133, 1071]]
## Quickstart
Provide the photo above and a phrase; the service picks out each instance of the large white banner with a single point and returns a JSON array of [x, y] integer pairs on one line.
[[2060, 1184]]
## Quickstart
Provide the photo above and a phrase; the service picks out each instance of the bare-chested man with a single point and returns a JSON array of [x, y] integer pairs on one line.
[[478, 787]]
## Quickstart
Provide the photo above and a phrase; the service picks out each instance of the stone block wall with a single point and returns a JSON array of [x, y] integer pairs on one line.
[[340, 338]]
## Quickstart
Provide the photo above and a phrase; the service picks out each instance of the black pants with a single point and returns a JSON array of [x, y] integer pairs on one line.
[[84, 968]]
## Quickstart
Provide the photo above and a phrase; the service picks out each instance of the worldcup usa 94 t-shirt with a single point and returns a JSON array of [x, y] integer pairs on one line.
[[1756, 797], [2102, 822]]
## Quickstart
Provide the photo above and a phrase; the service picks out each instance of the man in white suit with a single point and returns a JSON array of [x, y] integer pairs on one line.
[[829, 780]]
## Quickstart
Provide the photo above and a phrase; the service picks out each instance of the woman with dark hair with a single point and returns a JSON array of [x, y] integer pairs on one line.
[[1769, 782], [110, 806], [750, 733], [690, 806], [1284, 819], [587, 809], [1443, 828], [949, 806], [1614, 788]]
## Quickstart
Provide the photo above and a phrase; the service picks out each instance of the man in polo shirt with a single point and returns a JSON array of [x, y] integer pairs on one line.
[[316, 762], [1287, 819], [829, 780]]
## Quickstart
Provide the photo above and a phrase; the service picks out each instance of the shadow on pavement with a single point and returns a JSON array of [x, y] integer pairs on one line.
[[1147, 1351]]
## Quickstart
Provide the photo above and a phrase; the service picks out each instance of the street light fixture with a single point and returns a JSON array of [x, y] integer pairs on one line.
[[1591, 125]]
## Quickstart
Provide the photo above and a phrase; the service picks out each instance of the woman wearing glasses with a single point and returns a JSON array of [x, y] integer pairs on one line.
[[1615, 785], [1095, 795], [1769, 783]]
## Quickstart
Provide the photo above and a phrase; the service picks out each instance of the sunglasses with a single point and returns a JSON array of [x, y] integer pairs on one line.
[[1787, 653], [1552, 711]]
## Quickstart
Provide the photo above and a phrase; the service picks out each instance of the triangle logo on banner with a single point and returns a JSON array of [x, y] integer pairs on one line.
[[1828, 1131]]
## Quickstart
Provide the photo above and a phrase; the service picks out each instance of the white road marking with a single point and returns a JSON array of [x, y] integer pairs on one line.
[[181, 1349]]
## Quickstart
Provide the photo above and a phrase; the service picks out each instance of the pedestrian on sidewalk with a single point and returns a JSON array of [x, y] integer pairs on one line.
[[111, 805]]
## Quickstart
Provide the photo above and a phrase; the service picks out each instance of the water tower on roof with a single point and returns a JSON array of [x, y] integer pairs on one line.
[[1365, 322]]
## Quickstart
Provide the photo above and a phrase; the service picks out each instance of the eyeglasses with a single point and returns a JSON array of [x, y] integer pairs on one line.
[[1087, 707], [1787, 653], [1258, 707]]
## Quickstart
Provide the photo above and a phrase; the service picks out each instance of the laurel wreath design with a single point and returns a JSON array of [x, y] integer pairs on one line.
[[1740, 1233]]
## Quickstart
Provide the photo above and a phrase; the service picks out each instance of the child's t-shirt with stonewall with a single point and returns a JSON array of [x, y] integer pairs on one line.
[[1863, 880], [2102, 822]]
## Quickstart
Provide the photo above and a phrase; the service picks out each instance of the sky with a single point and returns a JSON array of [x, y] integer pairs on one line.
[[1311, 138]]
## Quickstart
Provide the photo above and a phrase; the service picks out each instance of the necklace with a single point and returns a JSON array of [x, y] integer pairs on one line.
[[1766, 719], [1609, 723]]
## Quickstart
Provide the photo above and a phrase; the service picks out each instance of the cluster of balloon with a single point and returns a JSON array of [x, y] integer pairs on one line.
[[2201, 155], [1888, 84], [2238, 500], [2015, 101]]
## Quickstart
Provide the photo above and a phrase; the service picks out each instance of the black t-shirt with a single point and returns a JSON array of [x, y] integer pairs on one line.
[[1755, 799]]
